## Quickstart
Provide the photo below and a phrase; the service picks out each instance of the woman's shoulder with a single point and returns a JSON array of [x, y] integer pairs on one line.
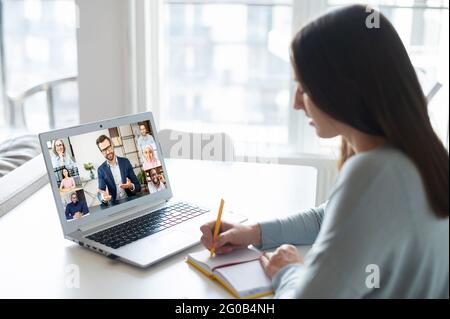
[[375, 184], [384, 160], [385, 171]]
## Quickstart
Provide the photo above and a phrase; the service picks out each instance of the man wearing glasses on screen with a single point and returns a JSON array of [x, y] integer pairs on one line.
[[116, 178], [155, 181]]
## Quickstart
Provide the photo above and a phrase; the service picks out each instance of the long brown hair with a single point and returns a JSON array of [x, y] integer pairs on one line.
[[363, 77]]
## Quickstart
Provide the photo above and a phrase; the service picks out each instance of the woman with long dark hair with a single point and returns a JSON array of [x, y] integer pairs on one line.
[[384, 231], [67, 182]]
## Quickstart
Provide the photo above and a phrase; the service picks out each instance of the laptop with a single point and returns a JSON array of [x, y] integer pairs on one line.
[[113, 194]]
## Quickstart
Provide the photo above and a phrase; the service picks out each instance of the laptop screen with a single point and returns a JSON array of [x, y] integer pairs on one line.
[[98, 170]]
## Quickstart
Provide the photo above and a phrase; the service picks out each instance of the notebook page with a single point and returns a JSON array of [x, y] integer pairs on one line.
[[237, 256], [247, 278]]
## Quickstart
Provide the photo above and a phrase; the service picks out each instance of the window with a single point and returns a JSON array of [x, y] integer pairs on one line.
[[39, 47], [227, 68], [423, 26], [2, 85], [2, 74]]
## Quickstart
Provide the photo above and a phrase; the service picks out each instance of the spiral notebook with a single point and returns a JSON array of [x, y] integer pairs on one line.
[[240, 272]]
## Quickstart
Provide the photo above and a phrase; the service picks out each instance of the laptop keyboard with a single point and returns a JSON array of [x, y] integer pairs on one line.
[[141, 227]]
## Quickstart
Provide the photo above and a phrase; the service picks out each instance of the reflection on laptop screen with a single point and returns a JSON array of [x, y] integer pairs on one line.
[[105, 168]]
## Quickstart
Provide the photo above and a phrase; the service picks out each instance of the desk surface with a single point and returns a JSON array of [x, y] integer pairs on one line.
[[36, 260]]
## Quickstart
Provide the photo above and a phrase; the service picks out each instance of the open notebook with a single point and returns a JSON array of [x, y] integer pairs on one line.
[[240, 271]]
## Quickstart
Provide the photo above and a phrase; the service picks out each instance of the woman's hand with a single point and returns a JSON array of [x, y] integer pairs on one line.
[[283, 256], [231, 236]]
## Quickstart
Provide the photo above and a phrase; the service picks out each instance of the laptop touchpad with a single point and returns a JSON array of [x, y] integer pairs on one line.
[[156, 247], [172, 240]]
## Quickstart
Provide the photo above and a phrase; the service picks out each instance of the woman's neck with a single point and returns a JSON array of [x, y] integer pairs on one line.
[[362, 142]]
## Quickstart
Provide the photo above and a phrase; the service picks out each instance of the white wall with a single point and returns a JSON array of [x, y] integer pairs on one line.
[[103, 55]]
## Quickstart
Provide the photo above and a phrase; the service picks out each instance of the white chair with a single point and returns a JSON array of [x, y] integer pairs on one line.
[[326, 167], [327, 172], [198, 146], [177, 144], [16, 110]]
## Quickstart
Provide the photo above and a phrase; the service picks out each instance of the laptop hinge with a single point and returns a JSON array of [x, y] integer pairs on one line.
[[109, 220]]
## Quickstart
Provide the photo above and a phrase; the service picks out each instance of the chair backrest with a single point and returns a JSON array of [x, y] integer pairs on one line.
[[219, 147], [16, 105], [199, 146], [327, 172]]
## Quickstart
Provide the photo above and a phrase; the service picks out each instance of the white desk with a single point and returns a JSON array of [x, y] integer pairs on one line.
[[35, 258]]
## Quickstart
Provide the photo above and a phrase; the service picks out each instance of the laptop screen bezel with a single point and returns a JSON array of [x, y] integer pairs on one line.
[[145, 201]]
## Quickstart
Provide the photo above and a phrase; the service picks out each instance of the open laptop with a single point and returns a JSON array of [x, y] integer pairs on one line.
[[113, 194]]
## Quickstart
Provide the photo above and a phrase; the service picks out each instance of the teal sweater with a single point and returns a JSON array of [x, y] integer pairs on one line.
[[376, 237]]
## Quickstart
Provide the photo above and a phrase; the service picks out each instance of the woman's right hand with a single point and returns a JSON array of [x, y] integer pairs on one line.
[[231, 236]]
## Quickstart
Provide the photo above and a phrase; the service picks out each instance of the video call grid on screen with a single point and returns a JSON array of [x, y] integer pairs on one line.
[[105, 168]]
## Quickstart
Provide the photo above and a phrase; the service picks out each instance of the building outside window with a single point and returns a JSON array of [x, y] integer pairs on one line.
[[38, 41], [227, 66]]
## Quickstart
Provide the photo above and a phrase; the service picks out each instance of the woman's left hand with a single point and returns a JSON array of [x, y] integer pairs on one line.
[[284, 255]]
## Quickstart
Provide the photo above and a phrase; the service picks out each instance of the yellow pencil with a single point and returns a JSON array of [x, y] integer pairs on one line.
[[217, 227]]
